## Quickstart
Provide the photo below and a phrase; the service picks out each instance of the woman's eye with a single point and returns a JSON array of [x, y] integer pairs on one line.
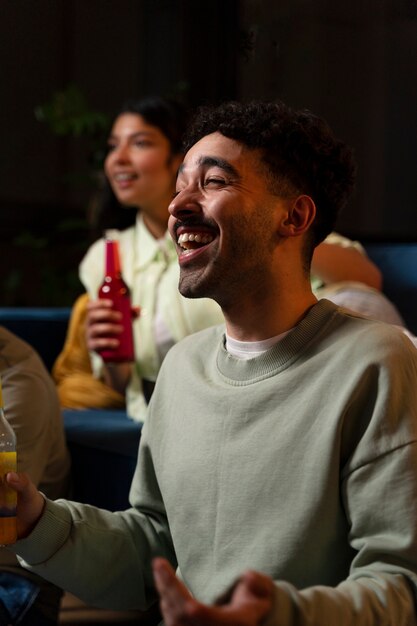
[[111, 146], [142, 144]]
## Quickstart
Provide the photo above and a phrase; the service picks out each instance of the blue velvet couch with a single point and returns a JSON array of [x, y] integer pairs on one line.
[[104, 444], [398, 263]]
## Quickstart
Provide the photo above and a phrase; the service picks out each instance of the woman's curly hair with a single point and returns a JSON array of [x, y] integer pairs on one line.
[[300, 151]]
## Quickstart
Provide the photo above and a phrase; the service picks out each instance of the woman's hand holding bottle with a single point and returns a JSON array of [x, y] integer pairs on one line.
[[103, 326]]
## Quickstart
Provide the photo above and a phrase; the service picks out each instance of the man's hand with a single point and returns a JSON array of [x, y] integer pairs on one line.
[[246, 604], [30, 503]]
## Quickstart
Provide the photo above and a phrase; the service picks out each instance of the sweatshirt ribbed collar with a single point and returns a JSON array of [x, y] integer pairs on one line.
[[242, 372]]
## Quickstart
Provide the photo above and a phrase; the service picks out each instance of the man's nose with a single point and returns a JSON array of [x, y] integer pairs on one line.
[[185, 203]]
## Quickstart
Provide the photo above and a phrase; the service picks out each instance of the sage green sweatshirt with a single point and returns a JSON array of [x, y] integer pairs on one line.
[[300, 463]]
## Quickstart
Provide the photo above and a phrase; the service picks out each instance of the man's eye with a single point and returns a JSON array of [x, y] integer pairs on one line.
[[140, 143], [111, 147], [215, 181]]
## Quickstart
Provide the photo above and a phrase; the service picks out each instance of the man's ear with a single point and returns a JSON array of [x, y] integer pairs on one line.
[[300, 216]]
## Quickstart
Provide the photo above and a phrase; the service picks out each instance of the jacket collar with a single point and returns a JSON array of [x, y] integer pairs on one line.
[[148, 249]]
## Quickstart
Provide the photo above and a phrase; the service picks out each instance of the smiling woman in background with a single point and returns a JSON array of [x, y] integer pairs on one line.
[[144, 153]]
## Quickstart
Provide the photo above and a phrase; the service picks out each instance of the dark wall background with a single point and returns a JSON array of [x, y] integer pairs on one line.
[[352, 62]]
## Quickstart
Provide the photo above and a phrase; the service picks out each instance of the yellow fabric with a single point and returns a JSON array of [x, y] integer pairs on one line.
[[77, 387]]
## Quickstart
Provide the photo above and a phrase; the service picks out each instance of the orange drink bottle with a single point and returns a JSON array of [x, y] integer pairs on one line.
[[8, 497]]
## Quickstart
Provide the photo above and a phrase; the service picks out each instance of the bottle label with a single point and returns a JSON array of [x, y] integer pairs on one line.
[[8, 497]]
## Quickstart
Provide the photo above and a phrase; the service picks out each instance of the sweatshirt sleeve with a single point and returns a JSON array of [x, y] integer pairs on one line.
[[381, 600], [104, 558]]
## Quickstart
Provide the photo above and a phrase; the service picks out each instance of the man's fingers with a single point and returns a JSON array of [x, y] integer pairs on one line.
[[248, 602], [30, 502], [163, 574], [19, 482], [258, 584], [253, 596], [26, 490], [249, 584], [167, 584], [173, 594]]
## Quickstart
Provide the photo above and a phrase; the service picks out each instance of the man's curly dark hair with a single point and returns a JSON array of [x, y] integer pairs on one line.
[[299, 149]]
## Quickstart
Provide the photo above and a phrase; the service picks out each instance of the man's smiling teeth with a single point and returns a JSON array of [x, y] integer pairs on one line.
[[186, 238]]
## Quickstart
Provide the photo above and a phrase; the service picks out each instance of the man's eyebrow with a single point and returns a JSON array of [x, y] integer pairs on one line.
[[208, 161]]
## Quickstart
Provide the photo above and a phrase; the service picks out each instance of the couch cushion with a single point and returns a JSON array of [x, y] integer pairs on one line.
[[104, 446]]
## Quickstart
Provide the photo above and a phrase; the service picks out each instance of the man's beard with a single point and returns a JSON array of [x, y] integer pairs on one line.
[[227, 280]]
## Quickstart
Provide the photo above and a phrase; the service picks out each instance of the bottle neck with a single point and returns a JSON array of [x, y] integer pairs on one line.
[[112, 258]]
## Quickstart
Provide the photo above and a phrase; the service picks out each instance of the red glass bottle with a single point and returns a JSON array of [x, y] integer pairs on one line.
[[114, 288]]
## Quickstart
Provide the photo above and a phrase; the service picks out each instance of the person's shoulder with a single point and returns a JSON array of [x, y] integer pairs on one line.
[[202, 339], [94, 252], [25, 376], [336, 239], [367, 324], [13, 349], [125, 236], [377, 337]]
